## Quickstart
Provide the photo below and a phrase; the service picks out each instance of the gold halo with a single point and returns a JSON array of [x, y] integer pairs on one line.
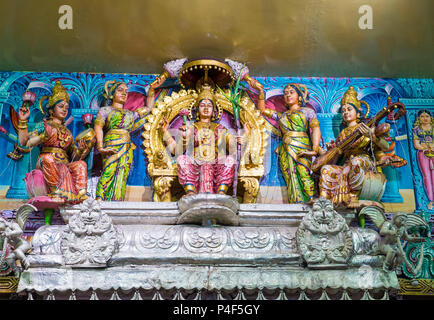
[[367, 107], [107, 95], [40, 104]]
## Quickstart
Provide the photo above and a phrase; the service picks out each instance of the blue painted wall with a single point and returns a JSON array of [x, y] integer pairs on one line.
[[325, 94]]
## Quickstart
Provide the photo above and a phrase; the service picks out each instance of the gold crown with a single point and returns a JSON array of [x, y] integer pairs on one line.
[[350, 97], [206, 94], [59, 94]]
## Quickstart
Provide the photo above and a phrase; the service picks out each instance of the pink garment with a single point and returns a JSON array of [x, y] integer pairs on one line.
[[135, 101], [35, 184], [206, 176], [426, 166]]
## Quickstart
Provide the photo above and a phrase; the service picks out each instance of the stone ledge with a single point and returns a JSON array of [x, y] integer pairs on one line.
[[167, 213], [202, 277], [162, 244]]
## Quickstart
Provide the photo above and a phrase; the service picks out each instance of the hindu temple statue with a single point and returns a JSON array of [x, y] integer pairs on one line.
[[353, 159], [301, 137], [423, 143], [204, 165], [60, 160], [113, 126]]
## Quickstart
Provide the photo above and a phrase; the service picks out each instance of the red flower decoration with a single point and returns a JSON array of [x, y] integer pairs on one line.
[[29, 97], [87, 118], [184, 112]]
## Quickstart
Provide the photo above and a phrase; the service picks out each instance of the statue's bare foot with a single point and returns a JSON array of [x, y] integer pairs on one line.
[[430, 205], [189, 193], [310, 202], [57, 199], [82, 194]]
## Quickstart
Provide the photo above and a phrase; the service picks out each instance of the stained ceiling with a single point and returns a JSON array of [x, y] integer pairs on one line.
[[274, 37]]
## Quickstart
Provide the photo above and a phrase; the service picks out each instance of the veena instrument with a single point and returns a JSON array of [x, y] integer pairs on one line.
[[355, 135]]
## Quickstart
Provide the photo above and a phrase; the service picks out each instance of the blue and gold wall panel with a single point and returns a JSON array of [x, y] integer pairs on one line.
[[405, 188]]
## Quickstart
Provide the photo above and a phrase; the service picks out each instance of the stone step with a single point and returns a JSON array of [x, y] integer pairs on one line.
[[165, 213]]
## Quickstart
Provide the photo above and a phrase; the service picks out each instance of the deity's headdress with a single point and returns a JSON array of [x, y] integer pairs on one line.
[[350, 97], [59, 94], [110, 88], [206, 93], [303, 93]]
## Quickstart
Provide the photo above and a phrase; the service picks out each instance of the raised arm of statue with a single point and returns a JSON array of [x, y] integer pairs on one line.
[[253, 83], [150, 100], [167, 137], [23, 133], [171, 70]]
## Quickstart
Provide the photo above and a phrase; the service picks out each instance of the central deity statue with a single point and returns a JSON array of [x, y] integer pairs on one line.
[[204, 166], [195, 136]]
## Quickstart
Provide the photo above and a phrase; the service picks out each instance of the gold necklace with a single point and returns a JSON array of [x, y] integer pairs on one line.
[[62, 133]]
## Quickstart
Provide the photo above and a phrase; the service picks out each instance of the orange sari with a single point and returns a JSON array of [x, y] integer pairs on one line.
[[65, 179]]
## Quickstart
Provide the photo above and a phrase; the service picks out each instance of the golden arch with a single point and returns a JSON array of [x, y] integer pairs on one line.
[[163, 170]]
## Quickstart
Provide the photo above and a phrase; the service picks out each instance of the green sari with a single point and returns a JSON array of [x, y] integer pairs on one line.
[[117, 125], [294, 127]]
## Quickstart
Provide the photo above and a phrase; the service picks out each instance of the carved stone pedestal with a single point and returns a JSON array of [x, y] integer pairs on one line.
[[206, 209], [159, 259]]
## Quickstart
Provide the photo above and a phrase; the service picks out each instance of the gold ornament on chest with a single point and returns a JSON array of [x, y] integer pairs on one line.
[[62, 134], [206, 144]]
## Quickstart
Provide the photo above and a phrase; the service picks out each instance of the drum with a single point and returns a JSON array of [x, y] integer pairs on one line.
[[88, 136], [373, 186]]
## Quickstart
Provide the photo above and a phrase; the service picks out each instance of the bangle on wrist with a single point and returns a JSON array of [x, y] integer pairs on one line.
[[22, 124], [261, 95], [315, 148]]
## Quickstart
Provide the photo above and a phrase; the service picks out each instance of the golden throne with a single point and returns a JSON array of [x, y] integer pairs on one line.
[[162, 167]]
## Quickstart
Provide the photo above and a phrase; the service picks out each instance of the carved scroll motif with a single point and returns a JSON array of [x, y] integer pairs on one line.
[[205, 239], [253, 239], [160, 239]]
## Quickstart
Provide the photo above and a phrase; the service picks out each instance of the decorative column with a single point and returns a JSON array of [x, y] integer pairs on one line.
[[329, 124], [391, 192]]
